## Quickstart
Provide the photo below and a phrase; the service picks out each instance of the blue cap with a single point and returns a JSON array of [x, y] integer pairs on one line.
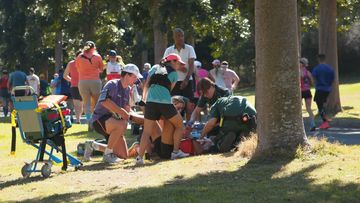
[[112, 53]]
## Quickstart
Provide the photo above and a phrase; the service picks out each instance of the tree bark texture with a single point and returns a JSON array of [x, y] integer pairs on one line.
[[58, 50], [160, 37], [278, 102], [89, 19], [328, 46]]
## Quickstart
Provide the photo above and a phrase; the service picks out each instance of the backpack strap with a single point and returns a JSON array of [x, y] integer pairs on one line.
[[87, 58]]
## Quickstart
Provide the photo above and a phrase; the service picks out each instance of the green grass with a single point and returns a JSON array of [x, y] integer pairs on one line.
[[331, 173]]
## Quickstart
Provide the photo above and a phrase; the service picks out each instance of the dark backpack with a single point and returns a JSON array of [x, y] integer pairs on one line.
[[161, 78]]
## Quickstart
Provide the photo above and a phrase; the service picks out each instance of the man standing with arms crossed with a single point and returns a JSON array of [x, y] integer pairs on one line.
[[184, 84]]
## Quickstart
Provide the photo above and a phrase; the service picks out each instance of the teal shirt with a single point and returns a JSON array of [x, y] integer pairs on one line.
[[157, 93]]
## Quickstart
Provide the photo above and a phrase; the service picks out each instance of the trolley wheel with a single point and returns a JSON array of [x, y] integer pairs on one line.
[[46, 170], [25, 170]]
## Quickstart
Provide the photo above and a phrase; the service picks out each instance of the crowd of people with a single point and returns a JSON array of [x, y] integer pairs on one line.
[[170, 95]]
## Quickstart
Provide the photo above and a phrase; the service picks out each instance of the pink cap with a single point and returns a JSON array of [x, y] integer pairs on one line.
[[174, 57]]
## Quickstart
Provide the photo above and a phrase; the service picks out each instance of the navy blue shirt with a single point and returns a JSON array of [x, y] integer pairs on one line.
[[114, 91], [324, 76]]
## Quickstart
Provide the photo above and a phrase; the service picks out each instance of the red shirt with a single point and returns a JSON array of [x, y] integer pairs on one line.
[[74, 74]]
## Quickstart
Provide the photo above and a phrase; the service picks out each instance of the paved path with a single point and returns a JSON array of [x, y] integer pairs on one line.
[[347, 136]]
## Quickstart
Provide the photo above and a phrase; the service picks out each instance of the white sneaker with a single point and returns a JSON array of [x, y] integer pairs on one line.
[[88, 150], [179, 154], [111, 158], [139, 161]]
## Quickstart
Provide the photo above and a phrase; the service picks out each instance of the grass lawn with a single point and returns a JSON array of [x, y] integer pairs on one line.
[[330, 174]]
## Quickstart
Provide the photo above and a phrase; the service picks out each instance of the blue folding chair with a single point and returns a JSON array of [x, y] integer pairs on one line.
[[32, 132]]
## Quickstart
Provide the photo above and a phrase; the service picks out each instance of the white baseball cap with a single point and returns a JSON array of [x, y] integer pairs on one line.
[[197, 64], [132, 68]]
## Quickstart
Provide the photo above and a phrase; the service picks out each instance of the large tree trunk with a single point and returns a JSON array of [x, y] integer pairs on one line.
[[89, 18], [280, 124], [160, 37], [328, 46], [58, 50]]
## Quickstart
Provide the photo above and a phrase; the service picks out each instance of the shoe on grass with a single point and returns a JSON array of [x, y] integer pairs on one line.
[[324, 125], [179, 154], [88, 150], [111, 158], [139, 161]]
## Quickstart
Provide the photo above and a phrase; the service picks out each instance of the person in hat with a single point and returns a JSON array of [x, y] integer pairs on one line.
[[113, 67], [89, 65], [111, 116], [200, 73], [162, 79], [305, 85], [223, 76], [34, 81], [4, 91]]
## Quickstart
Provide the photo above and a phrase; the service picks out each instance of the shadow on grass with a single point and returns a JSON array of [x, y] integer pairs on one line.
[[254, 182], [21, 181], [67, 197]]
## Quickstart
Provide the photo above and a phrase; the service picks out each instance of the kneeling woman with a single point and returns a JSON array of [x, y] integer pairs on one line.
[[158, 103]]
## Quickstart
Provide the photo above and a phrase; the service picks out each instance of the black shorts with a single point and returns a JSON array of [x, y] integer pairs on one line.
[[99, 125], [162, 150], [187, 92], [306, 94], [321, 96], [75, 93], [153, 111]]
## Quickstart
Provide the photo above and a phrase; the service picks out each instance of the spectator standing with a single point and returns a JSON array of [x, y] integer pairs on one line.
[[216, 74], [113, 67], [89, 65], [305, 85], [44, 86], [324, 77], [71, 74], [55, 88], [4, 91], [199, 73], [17, 78], [34, 81], [187, 53], [231, 79]]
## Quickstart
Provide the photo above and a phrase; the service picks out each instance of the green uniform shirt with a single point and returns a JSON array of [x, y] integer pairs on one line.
[[232, 106], [219, 92]]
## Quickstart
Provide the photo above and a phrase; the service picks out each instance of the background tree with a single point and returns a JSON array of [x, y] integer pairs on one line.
[[280, 125], [328, 46]]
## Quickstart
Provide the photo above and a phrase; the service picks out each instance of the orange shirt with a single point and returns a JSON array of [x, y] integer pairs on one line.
[[89, 66], [74, 74]]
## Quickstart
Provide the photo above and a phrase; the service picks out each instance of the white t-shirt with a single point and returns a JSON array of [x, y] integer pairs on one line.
[[34, 82], [113, 67], [185, 53], [219, 78]]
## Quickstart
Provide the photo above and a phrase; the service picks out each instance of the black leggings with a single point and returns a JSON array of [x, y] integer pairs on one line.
[[320, 99]]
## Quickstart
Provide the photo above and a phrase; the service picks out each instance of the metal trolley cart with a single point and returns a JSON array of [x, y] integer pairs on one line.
[[40, 127]]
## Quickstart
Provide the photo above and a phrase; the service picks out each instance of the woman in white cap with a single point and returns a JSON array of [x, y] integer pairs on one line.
[[305, 85], [111, 115], [162, 78], [113, 66]]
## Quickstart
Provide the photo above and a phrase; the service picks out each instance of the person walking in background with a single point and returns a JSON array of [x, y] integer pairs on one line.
[[305, 85], [4, 91], [34, 81], [89, 65], [113, 67], [231, 79], [71, 74], [187, 53], [145, 71], [324, 76]]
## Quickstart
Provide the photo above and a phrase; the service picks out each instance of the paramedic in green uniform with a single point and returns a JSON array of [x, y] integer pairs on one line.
[[235, 116]]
